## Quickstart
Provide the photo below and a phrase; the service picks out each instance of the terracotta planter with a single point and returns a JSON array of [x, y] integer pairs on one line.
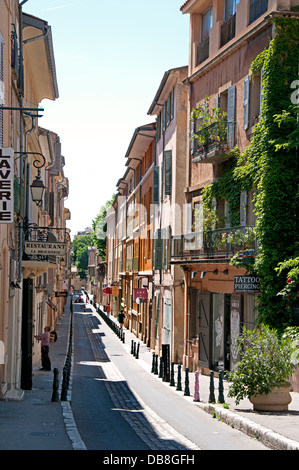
[[277, 400]]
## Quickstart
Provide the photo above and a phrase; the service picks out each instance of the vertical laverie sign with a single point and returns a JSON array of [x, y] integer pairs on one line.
[[6, 185]]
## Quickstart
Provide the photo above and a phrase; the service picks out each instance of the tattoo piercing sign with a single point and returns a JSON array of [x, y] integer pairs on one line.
[[6, 186]]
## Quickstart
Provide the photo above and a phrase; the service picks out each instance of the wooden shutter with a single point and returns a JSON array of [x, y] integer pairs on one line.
[[164, 116], [167, 172], [172, 104], [192, 142], [261, 92], [226, 214], [156, 184], [231, 108], [243, 208], [158, 249], [204, 337], [246, 102], [217, 101], [157, 315], [166, 237]]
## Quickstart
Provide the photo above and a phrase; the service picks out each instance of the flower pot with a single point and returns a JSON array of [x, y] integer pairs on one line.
[[277, 400]]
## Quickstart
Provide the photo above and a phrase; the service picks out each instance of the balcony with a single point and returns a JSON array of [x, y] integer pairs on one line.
[[213, 142], [219, 244], [228, 30], [203, 51]]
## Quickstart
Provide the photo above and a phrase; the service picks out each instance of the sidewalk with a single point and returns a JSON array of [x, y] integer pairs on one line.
[[277, 430], [38, 423]]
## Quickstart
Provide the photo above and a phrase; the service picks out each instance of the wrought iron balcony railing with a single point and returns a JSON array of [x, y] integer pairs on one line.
[[214, 140], [219, 243], [228, 30], [203, 51]]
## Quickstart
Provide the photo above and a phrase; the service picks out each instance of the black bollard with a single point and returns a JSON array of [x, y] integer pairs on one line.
[[132, 346], [161, 368], [137, 351], [156, 364], [172, 383], [212, 388], [63, 396], [153, 364], [55, 395], [220, 388], [187, 390], [179, 384], [134, 349]]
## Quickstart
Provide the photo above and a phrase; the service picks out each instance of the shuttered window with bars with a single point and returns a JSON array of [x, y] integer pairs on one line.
[[167, 172]]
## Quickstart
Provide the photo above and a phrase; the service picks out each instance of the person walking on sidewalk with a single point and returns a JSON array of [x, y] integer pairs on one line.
[[45, 340], [121, 317]]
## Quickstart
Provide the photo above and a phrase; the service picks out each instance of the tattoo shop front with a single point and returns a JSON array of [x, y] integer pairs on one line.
[[221, 300]]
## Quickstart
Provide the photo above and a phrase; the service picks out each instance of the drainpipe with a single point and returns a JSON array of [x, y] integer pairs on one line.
[[20, 274]]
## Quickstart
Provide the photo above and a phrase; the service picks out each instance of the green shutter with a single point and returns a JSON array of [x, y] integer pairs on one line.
[[172, 104], [158, 249], [166, 237], [168, 171], [156, 185]]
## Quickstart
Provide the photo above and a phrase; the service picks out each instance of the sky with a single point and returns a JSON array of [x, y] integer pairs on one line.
[[110, 59]]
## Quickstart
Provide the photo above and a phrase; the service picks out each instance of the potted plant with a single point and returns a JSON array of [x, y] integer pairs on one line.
[[264, 369]]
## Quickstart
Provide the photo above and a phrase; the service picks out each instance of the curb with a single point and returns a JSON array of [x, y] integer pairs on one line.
[[68, 417], [266, 436]]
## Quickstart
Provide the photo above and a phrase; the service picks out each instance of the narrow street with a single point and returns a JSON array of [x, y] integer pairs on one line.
[[117, 405]]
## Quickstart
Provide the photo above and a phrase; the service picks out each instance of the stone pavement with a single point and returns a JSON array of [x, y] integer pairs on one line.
[[35, 422]]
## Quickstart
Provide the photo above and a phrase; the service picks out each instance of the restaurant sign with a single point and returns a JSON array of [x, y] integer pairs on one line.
[[45, 248], [247, 284]]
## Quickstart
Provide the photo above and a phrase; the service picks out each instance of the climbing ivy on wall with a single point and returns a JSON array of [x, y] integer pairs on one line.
[[270, 166]]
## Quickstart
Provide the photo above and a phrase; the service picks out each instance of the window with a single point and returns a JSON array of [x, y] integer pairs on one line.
[[206, 23], [256, 9], [167, 172], [230, 8], [168, 110], [253, 95]]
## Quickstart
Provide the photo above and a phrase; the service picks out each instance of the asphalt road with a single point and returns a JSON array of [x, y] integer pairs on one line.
[[119, 406]]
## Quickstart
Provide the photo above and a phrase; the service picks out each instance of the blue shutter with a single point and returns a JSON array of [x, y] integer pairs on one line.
[[231, 108], [246, 102]]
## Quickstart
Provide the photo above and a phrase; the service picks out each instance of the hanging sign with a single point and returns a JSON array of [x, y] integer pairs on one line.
[[6, 186], [45, 248], [140, 293], [107, 290], [247, 284]]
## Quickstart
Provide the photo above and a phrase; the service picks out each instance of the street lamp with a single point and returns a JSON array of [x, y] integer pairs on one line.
[[37, 190], [38, 187]]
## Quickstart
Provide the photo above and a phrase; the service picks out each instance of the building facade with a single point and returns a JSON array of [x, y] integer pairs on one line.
[[29, 281], [225, 104]]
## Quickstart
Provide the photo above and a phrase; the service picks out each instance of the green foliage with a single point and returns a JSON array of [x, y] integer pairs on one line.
[[99, 229], [269, 166], [266, 362], [80, 253]]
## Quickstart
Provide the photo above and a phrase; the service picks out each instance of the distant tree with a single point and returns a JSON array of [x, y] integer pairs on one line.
[[99, 229], [80, 253]]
